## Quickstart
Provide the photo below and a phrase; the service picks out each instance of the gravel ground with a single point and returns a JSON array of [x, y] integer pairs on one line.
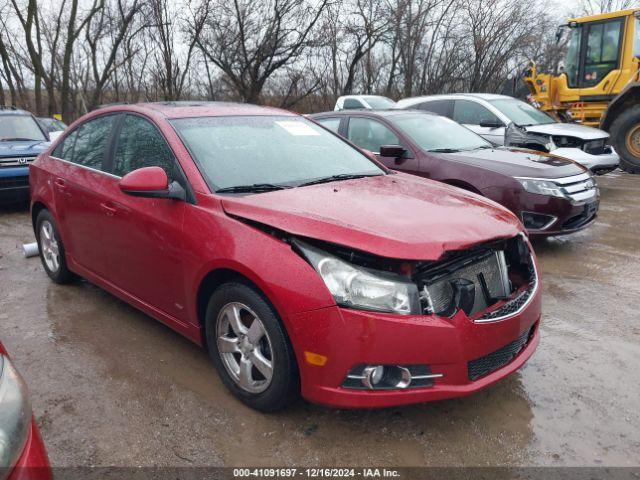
[[111, 386]]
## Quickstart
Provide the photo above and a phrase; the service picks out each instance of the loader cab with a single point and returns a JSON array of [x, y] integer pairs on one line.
[[596, 49]]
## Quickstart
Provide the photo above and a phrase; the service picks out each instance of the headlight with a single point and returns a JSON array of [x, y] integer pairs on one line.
[[15, 414], [541, 187], [359, 287]]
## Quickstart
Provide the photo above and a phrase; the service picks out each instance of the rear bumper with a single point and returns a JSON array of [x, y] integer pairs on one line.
[[349, 338], [33, 463], [605, 161]]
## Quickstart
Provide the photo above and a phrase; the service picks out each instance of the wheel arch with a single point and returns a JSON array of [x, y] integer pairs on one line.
[[628, 97], [219, 275], [36, 208]]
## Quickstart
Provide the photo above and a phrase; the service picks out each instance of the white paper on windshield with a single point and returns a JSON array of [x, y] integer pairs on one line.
[[299, 129]]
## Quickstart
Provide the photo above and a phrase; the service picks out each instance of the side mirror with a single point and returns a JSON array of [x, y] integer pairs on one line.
[[392, 151], [151, 182], [491, 124]]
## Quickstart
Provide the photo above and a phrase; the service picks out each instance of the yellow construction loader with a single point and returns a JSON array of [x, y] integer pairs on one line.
[[598, 83]]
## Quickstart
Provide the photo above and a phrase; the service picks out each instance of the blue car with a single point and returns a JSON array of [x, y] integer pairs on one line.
[[21, 140]]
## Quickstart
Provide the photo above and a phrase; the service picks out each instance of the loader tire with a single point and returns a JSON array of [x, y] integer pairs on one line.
[[625, 136]]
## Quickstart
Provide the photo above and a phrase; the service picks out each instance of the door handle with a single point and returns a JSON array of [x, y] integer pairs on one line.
[[62, 187], [108, 209]]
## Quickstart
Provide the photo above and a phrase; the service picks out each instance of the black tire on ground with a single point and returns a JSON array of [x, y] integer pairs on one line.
[[284, 387], [62, 274], [619, 130]]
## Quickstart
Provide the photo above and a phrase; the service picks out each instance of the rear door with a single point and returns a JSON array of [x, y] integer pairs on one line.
[[80, 190], [371, 134], [143, 236], [471, 114]]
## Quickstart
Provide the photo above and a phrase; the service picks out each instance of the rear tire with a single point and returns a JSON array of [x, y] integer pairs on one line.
[[625, 134], [250, 348], [51, 249]]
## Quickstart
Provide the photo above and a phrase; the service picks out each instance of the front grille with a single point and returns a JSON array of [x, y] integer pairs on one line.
[[490, 363], [16, 161], [595, 147], [501, 274], [14, 182], [578, 188]]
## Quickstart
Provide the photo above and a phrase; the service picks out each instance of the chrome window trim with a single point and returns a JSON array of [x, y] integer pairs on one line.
[[534, 291], [85, 167]]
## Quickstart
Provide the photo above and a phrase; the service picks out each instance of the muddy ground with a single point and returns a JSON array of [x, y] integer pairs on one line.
[[111, 386]]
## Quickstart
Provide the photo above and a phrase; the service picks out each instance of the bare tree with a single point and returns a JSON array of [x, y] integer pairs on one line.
[[249, 41]]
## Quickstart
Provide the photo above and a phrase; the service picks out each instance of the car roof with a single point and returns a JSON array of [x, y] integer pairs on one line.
[[482, 96], [13, 111], [187, 109], [375, 113]]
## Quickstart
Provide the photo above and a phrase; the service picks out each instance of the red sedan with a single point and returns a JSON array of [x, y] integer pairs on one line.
[[22, 453], [301, 264]]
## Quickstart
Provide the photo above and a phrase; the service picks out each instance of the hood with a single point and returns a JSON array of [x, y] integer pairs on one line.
[[517, 162], [26, 148], [395, 216], [568, 130]]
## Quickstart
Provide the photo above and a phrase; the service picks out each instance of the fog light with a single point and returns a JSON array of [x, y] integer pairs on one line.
[[390, 377], [537, 221], [372, 376]]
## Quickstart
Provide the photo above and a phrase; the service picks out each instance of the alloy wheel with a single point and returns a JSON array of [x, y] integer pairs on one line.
[[49, 246], [244, 347]]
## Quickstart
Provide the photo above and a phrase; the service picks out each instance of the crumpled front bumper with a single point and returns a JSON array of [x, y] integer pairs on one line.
[[349, 337], [606, 161]]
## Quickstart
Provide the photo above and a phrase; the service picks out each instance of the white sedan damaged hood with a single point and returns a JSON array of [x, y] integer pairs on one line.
[[568, 130]]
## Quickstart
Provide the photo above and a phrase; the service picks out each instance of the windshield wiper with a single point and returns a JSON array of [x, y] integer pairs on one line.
[[18, 139], [335, 178], [254, 187], [444, 150]]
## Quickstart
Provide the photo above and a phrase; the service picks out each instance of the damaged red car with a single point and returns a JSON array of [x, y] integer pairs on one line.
[[302, 265], [22, 452]]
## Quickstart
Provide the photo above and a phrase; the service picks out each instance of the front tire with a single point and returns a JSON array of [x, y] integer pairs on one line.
[[625, 133], [250, 349], [51, 249]]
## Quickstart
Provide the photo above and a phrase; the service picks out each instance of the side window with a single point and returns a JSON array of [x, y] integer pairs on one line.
[[332, 124], [636, 41], [603, 47], [140, 144], [440, 107], [370, 134], [65, 148], [351, 104], [90, 142], [467, 112]]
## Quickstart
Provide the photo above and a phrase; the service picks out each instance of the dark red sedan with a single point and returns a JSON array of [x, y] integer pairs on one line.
[[22, 452], [550, 195], [302, 265]]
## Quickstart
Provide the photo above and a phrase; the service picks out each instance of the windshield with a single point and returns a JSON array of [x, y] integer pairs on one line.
[[19, 127], [380, 103], [521, 113], [434, 133], [275, 150]]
